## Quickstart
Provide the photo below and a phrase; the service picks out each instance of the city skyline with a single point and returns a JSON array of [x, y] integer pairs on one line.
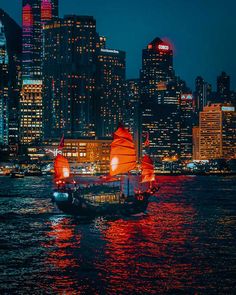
[[211, 31]]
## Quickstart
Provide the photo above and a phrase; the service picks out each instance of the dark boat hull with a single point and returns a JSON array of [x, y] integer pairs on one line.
[[77, 206]]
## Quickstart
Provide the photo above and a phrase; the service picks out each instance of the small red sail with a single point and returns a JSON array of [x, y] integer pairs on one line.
[[122, 157], [147, 169], [61, 167]]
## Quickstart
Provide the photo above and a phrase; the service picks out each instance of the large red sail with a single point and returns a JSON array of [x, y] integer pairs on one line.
[[61, 167], [122, 157], [147, 169]]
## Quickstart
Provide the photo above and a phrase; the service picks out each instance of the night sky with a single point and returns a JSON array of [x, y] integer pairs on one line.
[[203, 32]]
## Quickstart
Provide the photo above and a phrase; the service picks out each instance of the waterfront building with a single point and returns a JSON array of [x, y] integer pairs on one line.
[[69, 70], [90, 152], [159, 100], [217, 132], [83, 153], [110, 100], [10, 64]]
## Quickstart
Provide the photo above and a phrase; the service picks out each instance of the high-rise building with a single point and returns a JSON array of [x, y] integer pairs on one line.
[[187, 120], [217, 134], [69, 72], [159, 99], [202, 93], [31, 112], [4, 68], [132, 112], [35, 15], [157, 68], [196, 142], [10, 63], [223, 88], [110, 91]]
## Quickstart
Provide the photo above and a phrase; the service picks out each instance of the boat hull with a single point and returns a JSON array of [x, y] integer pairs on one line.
[[73, 204]]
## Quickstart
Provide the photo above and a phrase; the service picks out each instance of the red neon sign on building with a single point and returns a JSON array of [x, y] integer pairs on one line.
[[163, 47], [46, 10], [27, 16]]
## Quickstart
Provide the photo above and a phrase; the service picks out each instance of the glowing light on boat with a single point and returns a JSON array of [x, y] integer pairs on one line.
[[114, 163]]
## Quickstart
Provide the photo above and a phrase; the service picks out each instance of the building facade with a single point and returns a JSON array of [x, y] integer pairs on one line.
[[202, 93], [111, 65], [159, 100], [223, 88], [4, 70], [217, 134], [132, 113], [31, 112], [187, 121], [69, 70], [91, 153], [10, 64], [35, 14]]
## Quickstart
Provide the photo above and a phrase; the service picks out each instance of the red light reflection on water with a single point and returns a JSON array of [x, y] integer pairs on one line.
[[142, 254], [63, 237], [151, 254]]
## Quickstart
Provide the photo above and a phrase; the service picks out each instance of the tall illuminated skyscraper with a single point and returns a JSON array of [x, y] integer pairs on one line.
[[110, 90], [10, 75], [69, 77], [35, 15], [187, 120], [159, 99]]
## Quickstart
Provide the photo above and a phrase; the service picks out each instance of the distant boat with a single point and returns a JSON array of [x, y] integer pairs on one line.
[[33, 172], [116, 193], [17, 174]]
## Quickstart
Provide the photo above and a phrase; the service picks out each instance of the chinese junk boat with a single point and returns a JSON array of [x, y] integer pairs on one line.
[[119, 193]]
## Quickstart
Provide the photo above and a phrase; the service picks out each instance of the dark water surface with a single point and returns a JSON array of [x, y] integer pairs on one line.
[[185, 244]]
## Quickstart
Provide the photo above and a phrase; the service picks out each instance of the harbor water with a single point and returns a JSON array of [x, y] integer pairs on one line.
[[184, 244]]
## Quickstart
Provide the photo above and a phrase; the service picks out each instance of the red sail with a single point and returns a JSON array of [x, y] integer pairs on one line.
[[122, 157], [61, 167], [147, 169]]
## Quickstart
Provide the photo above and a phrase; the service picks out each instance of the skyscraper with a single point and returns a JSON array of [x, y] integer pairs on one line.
[[4, 68], [110, 90], [223, 88], [159, 99], [132, 112], [217, 134], [69, 71], [202, 93], [187, 121], [35, 14], [10, 61]]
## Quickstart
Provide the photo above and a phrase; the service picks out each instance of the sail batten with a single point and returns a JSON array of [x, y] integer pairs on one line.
[[122, 156]]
